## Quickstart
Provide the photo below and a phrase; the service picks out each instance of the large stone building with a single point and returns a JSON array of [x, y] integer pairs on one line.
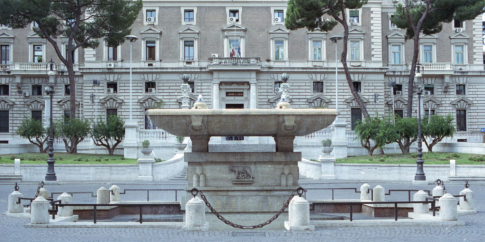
[[235, 53]]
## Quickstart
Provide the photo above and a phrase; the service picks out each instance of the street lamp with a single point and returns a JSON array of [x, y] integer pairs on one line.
[[334, 40], [420, 176], [132, 39], [49, 90]]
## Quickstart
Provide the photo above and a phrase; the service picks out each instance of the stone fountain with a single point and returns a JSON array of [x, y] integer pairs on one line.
[[243, 182]]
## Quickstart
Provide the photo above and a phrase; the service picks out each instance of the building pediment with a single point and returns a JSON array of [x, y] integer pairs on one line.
[[6, 104], [398, 99], [6, 35], [355, 30], [234, 27], [436, 101], [318, 101], [36, 104], [65, 103], [150, 30], [430, 36], [279, 30], [150, 101], [461, 103], [188, 30], [111, 101], [351, 102], [396, 35], [460, 36]]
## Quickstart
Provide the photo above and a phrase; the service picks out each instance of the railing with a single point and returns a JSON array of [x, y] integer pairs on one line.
[[436, 66], [154, 135], [124, 192], [4, 66], [351, 136], [319, 135], [347, 189], [30, 66], [234, 60]]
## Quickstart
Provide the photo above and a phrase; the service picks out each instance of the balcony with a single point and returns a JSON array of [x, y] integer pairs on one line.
[[234, 61]]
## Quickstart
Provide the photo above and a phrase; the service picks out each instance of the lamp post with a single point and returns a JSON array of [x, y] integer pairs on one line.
[[334, 40], [420, 176], [132, 39], [49, 90]]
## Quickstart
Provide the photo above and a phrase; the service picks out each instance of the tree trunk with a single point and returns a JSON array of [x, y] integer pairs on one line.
[[111, 150]]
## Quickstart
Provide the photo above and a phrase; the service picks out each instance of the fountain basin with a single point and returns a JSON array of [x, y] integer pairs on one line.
[[242, 122]]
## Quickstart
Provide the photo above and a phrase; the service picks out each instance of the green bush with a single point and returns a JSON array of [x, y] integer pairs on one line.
[[12, 157], [382, 159], [158, 160], [326, 143]]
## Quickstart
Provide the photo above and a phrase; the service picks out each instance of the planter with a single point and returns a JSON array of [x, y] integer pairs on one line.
[[146, 151], [180, 146], [327, 150]]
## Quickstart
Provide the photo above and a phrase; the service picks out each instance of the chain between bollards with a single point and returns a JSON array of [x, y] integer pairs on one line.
[[298, 191]]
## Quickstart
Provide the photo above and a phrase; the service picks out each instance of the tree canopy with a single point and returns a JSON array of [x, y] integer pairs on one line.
[[436, 128], [108, 134], [375, 132], [33, 130]]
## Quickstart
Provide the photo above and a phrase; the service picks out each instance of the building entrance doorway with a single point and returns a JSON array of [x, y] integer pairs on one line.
[[235, 106]]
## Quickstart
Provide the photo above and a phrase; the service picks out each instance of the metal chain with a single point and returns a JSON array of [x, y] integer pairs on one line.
[[298, 191]]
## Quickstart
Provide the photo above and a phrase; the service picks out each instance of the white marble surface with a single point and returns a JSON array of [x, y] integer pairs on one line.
[[448, 208], [39, 213]]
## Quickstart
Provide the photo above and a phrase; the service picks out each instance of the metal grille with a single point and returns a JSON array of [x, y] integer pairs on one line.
[[356, 114], [460, 120], [37, 115], [318, 87]]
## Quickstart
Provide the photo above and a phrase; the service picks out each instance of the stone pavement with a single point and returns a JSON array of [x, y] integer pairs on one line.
[[13, 230]]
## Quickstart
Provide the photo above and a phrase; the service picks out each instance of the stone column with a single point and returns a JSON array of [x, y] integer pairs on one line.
[[299, 215], [448, 208], [365, 194], [438, 191], [39, 212], [145, 168], [200, 143], [114, 194], [130, 145], [253, 96], [13, 207], [65, 211], [103, 196], [339, 139], [17, 166], [195, 215], [379, 194], [469, 204], [43, 193], [420, 208], [215, 96]]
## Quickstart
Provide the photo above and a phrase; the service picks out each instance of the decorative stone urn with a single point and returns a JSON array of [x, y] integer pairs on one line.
[[327, 150], [146, 151], [180, 146]]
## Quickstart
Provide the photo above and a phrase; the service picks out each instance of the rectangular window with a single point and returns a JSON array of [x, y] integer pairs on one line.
[[112, 87], [151, 15], [37, 115], [460, 89], [354, 16], [400, 113], [357, 87], [67, 90], [37, 50], [113, 112], [234, 47], [397, 89], [317, 49], [150, 87], [279, 16], [4, 121], [428, 113], [460, 120], [429, 90], [354, 50], [277, 86], [457, 24], [427, 53], [188, 15], [393, 26], [356, 115], [459, 54], [5, 54], [150, 50], [279, 49], [192, 86], [112, 53], [189, 50], [234, 14], [36, 90], [396, 54], [4, 90], [318, 87]]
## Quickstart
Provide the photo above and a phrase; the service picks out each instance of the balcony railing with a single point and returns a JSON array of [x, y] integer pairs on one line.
[[436, 66], [234, 60]]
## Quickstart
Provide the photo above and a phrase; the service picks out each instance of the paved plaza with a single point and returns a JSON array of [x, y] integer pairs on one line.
[[13, 230]]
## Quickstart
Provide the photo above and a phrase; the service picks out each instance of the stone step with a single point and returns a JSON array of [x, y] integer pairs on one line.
[[8, 177], [326, 217], [181, 176]]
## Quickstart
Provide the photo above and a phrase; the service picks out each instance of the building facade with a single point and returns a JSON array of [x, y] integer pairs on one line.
[[235, 53]]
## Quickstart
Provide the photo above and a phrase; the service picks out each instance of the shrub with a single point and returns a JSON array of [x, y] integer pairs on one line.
[[145, 144], [326, 142], [12, 157], [180, 139], [382, 159], [158, 160]]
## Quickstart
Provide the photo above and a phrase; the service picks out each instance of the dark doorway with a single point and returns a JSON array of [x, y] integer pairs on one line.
[[234, 106]]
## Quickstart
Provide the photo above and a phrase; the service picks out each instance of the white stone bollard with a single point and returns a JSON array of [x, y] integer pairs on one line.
[[448, 208], [39, 212], [469, 204], [299, 215], [65, 198], [43, 193], [379, 194], [438, 191], [420, 208], [114, 194], [13, 207], [17, 166], [365, 194], [195, 215], [102, 196]]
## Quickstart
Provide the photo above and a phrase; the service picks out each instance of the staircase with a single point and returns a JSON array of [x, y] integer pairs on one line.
[[180, 177], [10, 178]]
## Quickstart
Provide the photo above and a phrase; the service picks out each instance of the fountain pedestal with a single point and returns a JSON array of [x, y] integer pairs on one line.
[[239, 182]]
